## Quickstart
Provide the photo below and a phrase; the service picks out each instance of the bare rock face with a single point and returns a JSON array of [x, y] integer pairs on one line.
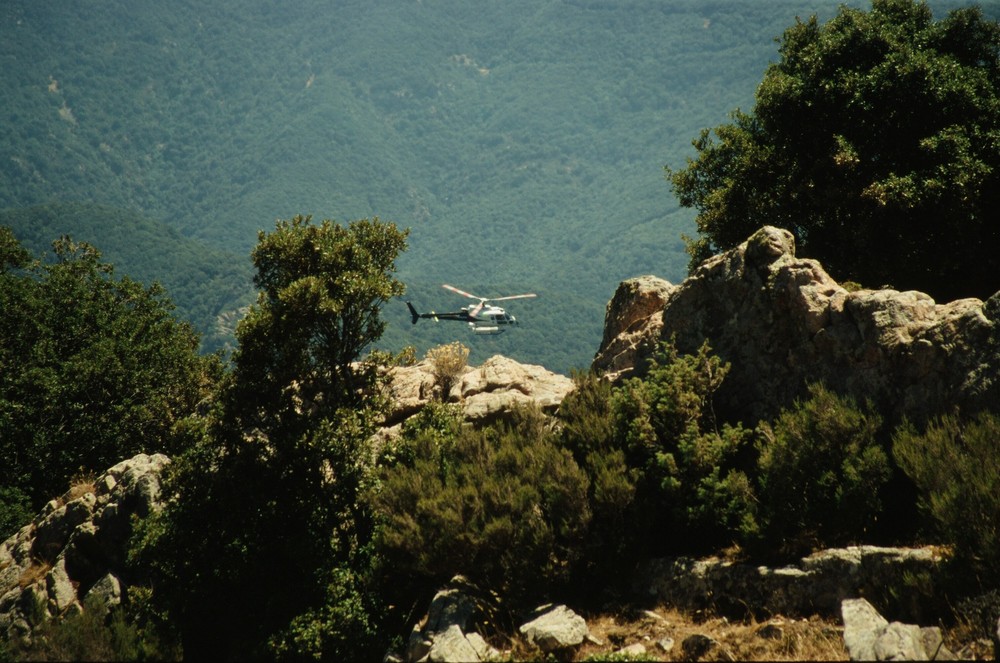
[[485, 392], [632, 321], [783, 322], [75, 548], [445, 633]]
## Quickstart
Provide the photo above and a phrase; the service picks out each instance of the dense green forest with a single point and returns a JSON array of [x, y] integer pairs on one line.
[[522, 142]]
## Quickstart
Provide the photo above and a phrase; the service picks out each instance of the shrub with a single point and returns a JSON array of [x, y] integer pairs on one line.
[[821, 469], [447, 362], [15, 510], [505, 506], [588, 432], [954, 465], [93, 634], [691, 484]]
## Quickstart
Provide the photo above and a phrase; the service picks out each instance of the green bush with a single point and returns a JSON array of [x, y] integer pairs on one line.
[[15, 511], [588, 432], [691, 480], [505, 506], [954, 464], [94, 634], [821, 469]]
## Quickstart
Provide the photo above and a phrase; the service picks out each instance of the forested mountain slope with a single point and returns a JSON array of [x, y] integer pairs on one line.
[[523, 142]]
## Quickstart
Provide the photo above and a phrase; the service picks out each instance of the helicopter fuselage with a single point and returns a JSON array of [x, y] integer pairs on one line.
[[482, 319]]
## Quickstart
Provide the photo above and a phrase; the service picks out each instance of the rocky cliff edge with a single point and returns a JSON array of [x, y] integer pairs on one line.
[[783, 322]]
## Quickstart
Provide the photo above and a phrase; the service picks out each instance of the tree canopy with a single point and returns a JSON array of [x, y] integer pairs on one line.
[[875, 139], [93, 369], [268, 502]]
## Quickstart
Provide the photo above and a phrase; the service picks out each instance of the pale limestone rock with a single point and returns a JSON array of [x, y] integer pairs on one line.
[[75, 545], [868, 636], [632, 317], [862, 626], [554, 628], [783, 322], [484, 392]]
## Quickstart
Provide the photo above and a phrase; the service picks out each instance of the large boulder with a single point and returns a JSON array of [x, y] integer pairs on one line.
[[632, 323], [868, 636], [486, 393], [783, 322], [554, 628], [446, 634], [75, 548]]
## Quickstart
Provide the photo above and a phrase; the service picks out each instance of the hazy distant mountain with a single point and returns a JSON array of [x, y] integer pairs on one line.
[[522, 141]]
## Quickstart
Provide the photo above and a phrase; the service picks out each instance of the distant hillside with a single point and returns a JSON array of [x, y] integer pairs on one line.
[[523, 141], [203, 282]]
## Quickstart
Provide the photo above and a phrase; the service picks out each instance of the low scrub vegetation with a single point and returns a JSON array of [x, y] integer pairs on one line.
[[280, 487]]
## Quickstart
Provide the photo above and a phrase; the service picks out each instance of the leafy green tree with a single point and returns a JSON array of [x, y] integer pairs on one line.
[[875, 139], [93, 369], [264, 544]]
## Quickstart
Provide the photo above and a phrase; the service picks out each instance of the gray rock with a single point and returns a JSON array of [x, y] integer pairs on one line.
[[441, 635], [554, 628], [698, 645], [817, 585], [62, 593], [783, 322], [900, 642], [868, 636], [106, 592], [862, 626], [451, 646], [81, 543], [485, 393], [635, 650]]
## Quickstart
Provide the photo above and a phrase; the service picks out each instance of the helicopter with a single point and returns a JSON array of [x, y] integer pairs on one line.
[[483, 318]]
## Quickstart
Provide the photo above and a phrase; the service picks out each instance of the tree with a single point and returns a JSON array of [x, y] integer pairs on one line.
[[263, 546], [875, 139], [93, 369]]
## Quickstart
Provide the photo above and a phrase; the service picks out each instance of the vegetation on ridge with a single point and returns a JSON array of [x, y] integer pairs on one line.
[[877, 133], [288, 532]]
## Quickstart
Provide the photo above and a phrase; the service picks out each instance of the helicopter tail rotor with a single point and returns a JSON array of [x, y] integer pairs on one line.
[[413, 313]]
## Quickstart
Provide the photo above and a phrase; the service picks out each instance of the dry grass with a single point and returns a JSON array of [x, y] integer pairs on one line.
[[777, 639], [34, 572], [80, 485]]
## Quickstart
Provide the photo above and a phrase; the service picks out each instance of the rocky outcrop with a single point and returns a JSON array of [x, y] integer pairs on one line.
[[632, 323], [485, 392], [814, 586], [783, 322], [446, 632], [73, 553]]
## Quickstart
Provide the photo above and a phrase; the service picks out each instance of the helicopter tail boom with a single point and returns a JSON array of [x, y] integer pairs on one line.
[[413, 313]]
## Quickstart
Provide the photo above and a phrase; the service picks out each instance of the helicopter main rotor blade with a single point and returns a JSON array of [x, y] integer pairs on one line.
[[475, 311], [500, 299], [462, 292]]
